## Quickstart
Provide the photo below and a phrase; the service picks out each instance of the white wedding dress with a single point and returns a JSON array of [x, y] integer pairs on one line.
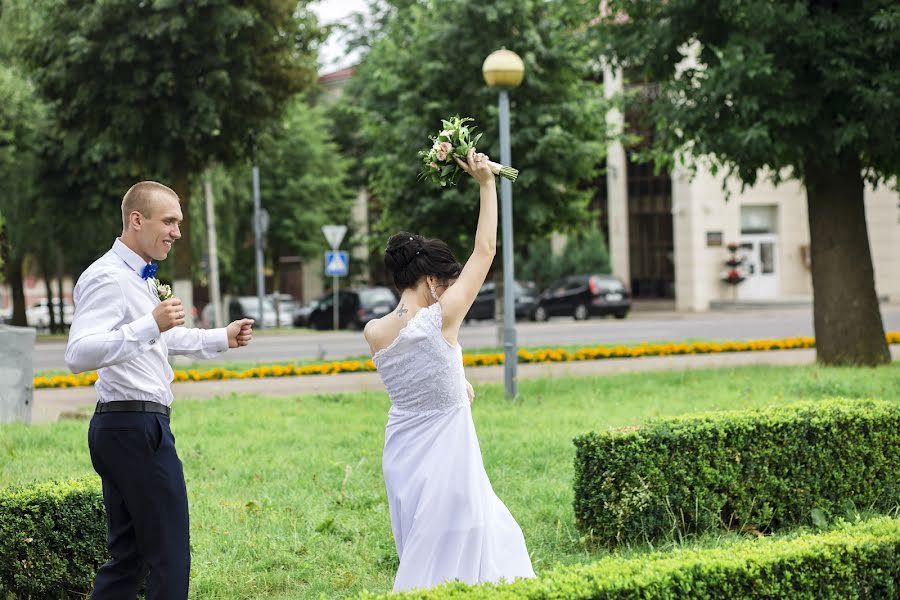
[[448, 524]]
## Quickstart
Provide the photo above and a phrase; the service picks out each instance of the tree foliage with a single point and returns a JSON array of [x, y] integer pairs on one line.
[[424, 65], [22, 123], [303, 180], [173, 85], [759, 87], [304, 184]]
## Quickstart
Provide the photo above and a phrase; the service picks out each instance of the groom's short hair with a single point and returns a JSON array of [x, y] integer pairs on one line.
[[140, 198]]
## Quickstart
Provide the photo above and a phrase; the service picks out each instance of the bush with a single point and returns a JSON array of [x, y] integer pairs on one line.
[[52, 538], [854, 561], [738, 470]]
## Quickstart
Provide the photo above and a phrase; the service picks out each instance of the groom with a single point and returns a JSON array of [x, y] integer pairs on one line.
[[126, 331]]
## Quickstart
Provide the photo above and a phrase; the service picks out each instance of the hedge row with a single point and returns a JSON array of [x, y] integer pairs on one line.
[[52, 538], [738, 470], [855, 561]]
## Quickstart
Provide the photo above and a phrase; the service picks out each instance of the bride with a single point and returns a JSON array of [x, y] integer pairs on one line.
[[447, 522]]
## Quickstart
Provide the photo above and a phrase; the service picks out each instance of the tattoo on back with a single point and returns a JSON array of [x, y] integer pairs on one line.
[[402, 310]]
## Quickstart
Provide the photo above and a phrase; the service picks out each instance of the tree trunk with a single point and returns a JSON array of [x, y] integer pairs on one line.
[[59, 291], [48, 286], [14, 277], [848, 325]]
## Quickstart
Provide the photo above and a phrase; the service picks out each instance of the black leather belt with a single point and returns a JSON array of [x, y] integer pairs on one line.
[[132, 406]]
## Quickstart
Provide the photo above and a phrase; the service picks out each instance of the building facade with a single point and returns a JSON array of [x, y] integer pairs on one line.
[[669, 235]]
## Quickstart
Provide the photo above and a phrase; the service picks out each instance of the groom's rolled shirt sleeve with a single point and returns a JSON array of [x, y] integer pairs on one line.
[[97, 337], [196, 343]]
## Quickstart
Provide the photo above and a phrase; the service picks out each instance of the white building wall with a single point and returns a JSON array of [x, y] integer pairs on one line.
[[883, 221], [699, 206]]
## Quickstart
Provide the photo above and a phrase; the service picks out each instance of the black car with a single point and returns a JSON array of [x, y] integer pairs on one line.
[[526, 297], [356, 308], [581, 296]]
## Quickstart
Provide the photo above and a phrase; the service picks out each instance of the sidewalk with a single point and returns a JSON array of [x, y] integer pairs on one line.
[[49, 404]]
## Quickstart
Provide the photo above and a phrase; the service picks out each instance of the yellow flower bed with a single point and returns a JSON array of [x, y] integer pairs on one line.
[[471, 360]]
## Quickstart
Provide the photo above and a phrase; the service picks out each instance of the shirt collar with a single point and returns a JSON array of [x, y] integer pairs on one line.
[[129, 256]]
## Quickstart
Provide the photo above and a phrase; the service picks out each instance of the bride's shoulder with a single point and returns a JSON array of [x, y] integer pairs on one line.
[[372, 330], [378, 333]]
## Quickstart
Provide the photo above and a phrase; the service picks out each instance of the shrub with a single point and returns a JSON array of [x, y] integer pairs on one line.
[[52, 538], [738, 470], [853, 561]]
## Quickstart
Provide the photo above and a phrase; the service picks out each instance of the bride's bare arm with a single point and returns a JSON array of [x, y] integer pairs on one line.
[[458, 298]]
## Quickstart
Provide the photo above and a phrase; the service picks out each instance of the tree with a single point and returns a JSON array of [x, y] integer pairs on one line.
[[22, 122], [175, 85], [303, 185], [425, 64], [775, 90], [303, 180], [74, 183]]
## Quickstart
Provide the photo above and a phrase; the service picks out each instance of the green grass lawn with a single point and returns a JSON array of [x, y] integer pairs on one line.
[[287, 499]]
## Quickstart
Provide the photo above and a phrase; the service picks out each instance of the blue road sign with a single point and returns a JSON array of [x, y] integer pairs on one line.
[[337, 263]]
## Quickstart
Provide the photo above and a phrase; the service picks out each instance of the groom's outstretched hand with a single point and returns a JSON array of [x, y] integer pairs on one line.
[[240, 332]]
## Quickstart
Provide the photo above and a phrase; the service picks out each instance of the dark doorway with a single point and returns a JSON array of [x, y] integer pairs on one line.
[[650, 240]]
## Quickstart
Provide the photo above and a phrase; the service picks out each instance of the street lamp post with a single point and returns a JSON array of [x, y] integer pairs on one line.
[[504, 69]]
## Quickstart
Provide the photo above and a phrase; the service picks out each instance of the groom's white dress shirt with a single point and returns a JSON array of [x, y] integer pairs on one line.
[[113, 331]]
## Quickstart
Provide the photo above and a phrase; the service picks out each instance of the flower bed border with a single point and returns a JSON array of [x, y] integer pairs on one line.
[[470, 360]]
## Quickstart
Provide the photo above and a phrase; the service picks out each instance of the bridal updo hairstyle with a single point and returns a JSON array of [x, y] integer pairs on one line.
[[409, 257]]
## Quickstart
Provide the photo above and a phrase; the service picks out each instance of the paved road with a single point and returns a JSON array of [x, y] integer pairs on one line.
[[639, 327]]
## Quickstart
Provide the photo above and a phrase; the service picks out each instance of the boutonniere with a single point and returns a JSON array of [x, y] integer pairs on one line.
[[164, 290]]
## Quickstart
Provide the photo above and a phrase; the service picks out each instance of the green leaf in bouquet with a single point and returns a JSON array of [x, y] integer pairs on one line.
[[447, 170]]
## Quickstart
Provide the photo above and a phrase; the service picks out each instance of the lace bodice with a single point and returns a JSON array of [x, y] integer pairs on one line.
[[420, 369]]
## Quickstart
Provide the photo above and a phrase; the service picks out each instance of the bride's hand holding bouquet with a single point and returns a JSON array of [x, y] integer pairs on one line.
[[442, 162], [478, 166]]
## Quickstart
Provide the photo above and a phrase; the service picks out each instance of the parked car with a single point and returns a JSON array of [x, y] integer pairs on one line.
[[286, 306], [38, 314], [526, 297], [356, 307], [247, 307], [301, 314], [582, 296]]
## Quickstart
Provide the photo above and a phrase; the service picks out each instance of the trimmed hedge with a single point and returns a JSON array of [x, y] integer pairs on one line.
[[52, 538], [738, 470], [854, 561]]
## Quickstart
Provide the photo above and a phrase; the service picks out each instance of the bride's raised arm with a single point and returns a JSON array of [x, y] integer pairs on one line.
[[456, 301]]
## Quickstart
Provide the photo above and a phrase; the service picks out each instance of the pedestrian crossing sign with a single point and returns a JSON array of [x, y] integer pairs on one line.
[[336, 263]]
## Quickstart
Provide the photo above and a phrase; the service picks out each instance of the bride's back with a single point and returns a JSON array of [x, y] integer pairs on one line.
[[420, 369]]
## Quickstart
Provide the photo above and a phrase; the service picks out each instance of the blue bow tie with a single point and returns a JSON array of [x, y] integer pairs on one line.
[[149, 271]]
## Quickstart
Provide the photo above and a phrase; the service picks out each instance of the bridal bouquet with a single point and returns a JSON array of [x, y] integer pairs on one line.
[[455, 139]]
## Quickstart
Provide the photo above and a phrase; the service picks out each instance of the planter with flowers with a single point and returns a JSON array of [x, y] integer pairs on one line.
[[735, 271]]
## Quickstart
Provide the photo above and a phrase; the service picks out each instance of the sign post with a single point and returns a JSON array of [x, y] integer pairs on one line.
[[336, 264]]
